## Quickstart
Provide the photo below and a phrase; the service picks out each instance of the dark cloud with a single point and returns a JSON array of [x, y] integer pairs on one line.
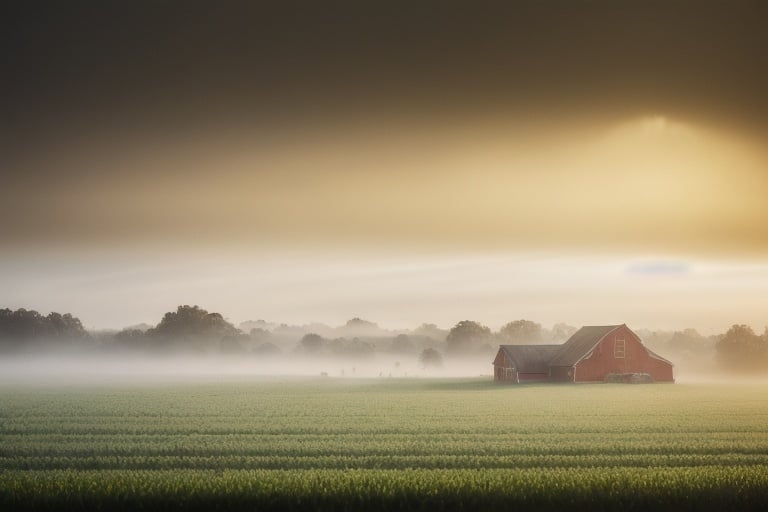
[[110, 61], [107, 106]]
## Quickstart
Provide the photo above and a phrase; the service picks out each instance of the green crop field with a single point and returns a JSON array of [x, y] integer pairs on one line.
[[334, 444]]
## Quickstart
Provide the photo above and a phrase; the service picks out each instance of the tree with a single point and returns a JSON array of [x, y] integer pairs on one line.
[[65, 326], [740, 348], [23, 329], [430, 331], [467, 336], [194, 326], [521, 331], [259, 334], [193, 321], [430, 358], [20, 326], [687, 340], [359, 327], [312, 343]]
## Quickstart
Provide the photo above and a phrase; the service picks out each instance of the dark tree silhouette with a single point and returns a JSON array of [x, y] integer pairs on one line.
[[191, 327], [23, 329], [193, 320], [312, 343], [430, 331], [521, 331], [741, 349], [467, 336]]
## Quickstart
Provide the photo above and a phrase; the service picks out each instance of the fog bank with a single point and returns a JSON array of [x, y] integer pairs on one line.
[[46, 369]]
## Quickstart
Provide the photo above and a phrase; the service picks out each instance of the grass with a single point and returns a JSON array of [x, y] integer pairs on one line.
[[316, 444]]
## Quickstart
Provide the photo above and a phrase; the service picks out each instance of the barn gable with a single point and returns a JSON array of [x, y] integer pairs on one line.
[[520, 363], [620, 351], [580, 344]]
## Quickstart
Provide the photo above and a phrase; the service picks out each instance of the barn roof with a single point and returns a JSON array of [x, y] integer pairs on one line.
[[538, 358], [531, 358], [580, 343], [657, 356]]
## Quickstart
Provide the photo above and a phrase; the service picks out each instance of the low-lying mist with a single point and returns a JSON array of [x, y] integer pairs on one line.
[[47, 369], [192, 344], [43, 369]]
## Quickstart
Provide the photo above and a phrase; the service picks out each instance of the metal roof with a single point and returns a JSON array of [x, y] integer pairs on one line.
[[531, 358], [580, 344]]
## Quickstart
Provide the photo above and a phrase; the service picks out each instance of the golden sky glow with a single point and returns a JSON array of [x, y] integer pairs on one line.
[[648, 183], [651, 221], [589, 162]]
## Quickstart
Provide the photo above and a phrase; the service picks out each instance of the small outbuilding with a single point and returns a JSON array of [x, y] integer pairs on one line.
[[590, 355]]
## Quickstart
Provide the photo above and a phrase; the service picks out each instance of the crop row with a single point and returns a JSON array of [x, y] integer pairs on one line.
[[221, 446], [393, 461], [309, 445], [703, 488]]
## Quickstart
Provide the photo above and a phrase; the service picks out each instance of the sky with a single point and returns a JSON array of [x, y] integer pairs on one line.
[[585, 161]]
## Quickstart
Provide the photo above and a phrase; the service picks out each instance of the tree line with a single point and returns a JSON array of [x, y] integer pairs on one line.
[[194, 329], [23, 329]]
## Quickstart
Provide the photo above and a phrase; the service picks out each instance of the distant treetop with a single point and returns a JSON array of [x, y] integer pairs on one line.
[[467, 336], [193, 322], [521, 331], [21, 328]]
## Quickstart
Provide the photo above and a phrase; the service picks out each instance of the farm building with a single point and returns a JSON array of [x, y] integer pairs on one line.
[[591, 354]]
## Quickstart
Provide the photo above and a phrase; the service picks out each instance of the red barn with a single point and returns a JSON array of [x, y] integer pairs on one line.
[[591, 354]]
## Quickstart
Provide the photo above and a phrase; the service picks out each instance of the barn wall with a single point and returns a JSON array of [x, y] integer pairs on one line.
[[636, 359], [659, 370], [500, 363]]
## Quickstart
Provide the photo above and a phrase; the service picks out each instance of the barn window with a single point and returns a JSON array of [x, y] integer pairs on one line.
[[619, 348]]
